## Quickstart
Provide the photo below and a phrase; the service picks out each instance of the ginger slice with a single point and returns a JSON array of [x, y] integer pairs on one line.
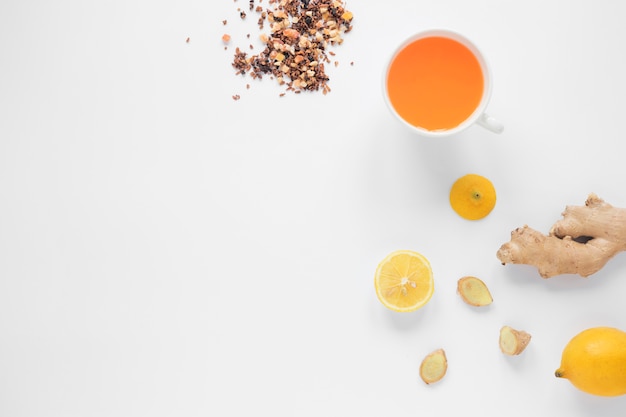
[[434, 366], [474, 291], [513, 342]]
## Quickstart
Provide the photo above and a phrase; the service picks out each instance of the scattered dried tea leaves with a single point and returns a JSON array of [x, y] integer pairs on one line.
[[296, 49]]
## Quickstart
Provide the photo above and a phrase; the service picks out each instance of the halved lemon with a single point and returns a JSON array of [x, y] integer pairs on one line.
[[404, 281], [472, 196]]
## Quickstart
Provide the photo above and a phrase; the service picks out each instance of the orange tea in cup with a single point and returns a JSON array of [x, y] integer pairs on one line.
[[437, 82]]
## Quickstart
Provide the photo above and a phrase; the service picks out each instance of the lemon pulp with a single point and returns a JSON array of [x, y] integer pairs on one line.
[[404, 281]]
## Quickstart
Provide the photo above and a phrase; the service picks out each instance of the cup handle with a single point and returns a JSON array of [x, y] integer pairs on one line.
[[490, 123]]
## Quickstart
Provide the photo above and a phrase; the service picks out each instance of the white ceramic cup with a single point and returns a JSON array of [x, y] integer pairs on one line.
[[478, 116]]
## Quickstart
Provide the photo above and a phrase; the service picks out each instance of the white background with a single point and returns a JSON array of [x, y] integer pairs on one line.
[[168, 251]]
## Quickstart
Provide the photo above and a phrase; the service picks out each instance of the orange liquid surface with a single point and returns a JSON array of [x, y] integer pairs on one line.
[[435, 83]]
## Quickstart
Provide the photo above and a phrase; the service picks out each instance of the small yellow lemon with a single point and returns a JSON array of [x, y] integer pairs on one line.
[[472, 196], [404, 281], [594, 361]]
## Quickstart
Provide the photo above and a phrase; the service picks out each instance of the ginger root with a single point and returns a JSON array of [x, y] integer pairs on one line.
[[582, 242]]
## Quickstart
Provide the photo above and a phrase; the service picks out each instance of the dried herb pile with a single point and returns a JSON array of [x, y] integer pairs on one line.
[[296, 50]]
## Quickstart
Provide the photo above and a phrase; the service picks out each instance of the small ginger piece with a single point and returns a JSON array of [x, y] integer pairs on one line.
[[474, 291], [513, 342], [434, 366], [582, 242]]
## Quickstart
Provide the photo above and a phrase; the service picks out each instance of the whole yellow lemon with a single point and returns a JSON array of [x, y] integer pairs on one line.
[[472, 196], [594, 361]]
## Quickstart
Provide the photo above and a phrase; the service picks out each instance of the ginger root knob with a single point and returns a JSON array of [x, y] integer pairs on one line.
[[581, 243]]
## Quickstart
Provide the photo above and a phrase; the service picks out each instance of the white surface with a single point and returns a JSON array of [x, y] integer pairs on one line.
[[168, 251]]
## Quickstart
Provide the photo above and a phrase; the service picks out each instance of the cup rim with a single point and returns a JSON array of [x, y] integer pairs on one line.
[[451, 34]]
